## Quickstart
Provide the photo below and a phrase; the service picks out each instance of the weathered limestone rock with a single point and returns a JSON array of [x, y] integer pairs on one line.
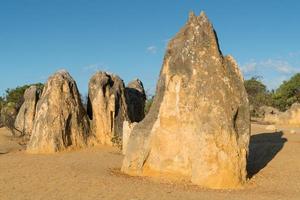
[[127, 129], [26, 114], [61, 121], [8, 115], [264, 111], [291, 117], [199, 124], [107, 107], [136, 99]]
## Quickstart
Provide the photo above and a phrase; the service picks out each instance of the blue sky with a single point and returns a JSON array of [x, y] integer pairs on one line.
[[128, 38]]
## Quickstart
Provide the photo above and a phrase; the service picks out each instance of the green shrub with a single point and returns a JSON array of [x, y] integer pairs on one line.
[[258, 95], [287, 93]]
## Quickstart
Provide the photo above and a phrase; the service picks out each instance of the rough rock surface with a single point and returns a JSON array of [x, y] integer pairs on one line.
[[107, 107], [198, 126], [127, 129], [136, 99], [25, 118], [60, 120]]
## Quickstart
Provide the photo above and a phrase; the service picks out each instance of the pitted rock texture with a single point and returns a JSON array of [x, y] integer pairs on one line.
[[107, 107], [198, 127], [61, 121], [25, 118], [136, 99]]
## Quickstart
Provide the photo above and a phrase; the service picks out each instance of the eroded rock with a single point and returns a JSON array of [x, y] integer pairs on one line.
[[61, 121], [25, 118], [107, 108], [199, 124], [136, 99]]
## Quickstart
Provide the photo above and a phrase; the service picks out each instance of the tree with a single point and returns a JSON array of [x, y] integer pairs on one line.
[[287, 93], [258, 94]]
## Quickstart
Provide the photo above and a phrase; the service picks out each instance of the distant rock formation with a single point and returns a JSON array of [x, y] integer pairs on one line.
[[61, 121], [8, 115], [136, 99], [291, 117], [198, 126], [25, 118], [107, 107]]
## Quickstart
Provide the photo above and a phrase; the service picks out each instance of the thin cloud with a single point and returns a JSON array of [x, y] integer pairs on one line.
[[94, 67], [43, 78], [152, 49], [275, 83], [273, 71], [249, 67], [281, 66], [294, 54]]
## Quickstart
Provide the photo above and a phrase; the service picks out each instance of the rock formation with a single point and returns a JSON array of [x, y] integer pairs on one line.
[[26, 114], [8, 115], [107, 107], [290, 117], [61, 121], [135, 98], [198, 126]]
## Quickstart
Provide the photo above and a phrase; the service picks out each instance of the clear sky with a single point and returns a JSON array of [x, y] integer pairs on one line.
[[128, 38]]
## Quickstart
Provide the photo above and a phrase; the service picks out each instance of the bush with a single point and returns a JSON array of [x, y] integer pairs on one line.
[[258, 95], [288, 93]]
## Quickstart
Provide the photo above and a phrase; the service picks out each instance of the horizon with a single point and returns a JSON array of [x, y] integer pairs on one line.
[[84, 37]]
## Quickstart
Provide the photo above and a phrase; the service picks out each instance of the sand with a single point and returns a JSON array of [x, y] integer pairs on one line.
[[94, 173]]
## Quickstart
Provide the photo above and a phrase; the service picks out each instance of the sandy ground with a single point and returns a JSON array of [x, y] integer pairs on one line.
[[274, 167]]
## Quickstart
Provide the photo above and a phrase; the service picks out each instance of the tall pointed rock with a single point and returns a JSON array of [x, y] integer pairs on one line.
[[198, 126]]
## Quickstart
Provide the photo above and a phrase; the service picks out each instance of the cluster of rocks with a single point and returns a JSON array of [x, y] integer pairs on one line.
[[56, 119], [198, 126]]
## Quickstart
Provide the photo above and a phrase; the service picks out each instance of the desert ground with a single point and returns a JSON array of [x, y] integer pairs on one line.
[[94, 173]]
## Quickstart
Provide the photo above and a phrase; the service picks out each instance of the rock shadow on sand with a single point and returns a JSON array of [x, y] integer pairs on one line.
[[263, 148]]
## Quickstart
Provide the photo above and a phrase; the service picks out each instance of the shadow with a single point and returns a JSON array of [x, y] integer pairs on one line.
[[263, 148]]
